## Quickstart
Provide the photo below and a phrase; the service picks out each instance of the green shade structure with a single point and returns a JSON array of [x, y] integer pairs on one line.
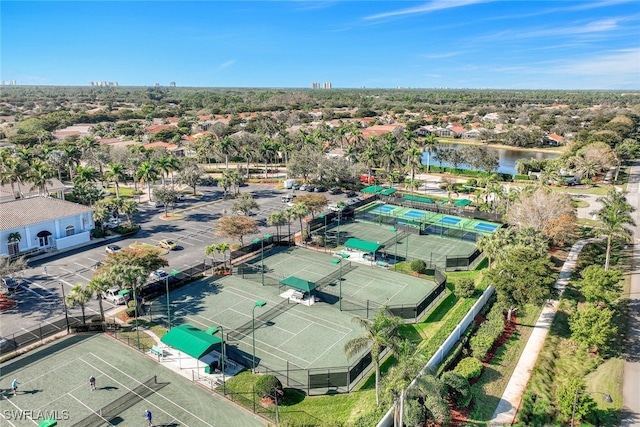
[[297, 283], [388, 191], [372, 189], [362, 245], [418, 198], [462, 203], [49, 422], [191, 340]]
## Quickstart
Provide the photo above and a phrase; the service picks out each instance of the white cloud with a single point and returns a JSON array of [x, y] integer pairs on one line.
[[606, 64], [432, 6], [224, 65]]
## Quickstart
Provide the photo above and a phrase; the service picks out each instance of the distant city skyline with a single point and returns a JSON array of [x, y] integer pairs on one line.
[[483, 44]]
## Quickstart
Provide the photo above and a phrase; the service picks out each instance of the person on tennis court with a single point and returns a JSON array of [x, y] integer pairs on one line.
[[14, 386], [148, 416], [92, 382]]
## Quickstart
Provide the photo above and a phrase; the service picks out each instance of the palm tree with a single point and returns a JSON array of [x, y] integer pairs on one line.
[[58, 159], [299, 210], [414, 160], [379, 333], [79, 295], [277, 219], [225, 146], [115, 174], [147, 173], [14, 172], [98, 285], [615, 215], [40, 175], [86, 174], [430, 142], [163, 166], [129, 207]]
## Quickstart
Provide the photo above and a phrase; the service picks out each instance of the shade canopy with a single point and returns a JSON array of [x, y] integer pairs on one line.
[[191, 340], [417, 198], [372, 189], [462, 203], [298, 283], [388, 191], [362, 245]]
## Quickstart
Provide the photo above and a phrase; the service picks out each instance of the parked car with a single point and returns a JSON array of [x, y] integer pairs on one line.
[[156, 204], [9, 284], [112, 223], [335, 190], [296, 186], [180, 198], [112, 249], [158, 275], [350, 193], [319, 189], [113, 295], [168, 244]]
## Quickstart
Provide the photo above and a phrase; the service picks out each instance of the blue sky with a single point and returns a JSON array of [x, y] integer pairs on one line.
[[375, 44]]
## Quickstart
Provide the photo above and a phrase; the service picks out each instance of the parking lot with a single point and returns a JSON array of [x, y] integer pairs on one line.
[[39, 296]]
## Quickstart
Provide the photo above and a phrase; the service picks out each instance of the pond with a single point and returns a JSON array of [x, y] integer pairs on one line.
[[507, 157]]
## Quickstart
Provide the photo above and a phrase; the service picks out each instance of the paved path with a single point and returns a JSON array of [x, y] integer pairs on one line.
[[509, 403], [631, 377]]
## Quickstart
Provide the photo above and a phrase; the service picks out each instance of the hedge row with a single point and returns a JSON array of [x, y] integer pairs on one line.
[[489, 331]]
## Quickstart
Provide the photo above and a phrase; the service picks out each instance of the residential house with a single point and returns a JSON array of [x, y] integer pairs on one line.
[[40, 224], [25, 190], [553, 139]]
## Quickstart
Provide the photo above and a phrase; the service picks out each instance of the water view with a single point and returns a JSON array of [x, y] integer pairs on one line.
[[507, 157]]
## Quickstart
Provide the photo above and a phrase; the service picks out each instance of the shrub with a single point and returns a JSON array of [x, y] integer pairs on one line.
[[418, 265], [97, 233], [520, 177], [414, 414], [131, 311], [469, 367], [472, 182], [464, 287], [266, 384], [535, 411], [458, 388], [480, 344]]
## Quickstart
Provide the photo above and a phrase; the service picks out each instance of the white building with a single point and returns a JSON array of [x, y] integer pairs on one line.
[[43, 224]]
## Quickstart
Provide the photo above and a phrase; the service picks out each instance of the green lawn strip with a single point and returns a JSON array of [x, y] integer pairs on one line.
[[561, 360], [297, 408], [596, 190], [497, 372]]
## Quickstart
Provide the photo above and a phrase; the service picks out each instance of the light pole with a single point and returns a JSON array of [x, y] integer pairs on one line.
[[325, 231], [266, 236], [64, 302], [166, 280], [259, 303], [340, 288], [224, 386], [607, 398]]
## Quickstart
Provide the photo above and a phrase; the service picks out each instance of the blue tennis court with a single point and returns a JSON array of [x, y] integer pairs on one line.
[[383, 209], [414, 214], [487, 228], [449, 220]]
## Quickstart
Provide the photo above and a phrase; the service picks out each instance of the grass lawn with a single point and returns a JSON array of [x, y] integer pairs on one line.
[[596, 190], [497, 372], [125, 192], [561, 359]]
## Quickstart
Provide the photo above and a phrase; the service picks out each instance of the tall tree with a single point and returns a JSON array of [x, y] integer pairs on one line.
[[115, 174], [523, 277], [236, 227], [79, 295], [147, 174], [379, 332], [615, 215]]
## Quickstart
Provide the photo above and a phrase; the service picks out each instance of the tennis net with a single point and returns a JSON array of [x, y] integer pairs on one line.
[[118, 406], [244, 330]]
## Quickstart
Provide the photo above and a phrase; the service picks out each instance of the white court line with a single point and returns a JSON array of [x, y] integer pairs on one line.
[[292, 337], [18, 408], [82, 403], [321, 355], [5, 418], [145, 399]]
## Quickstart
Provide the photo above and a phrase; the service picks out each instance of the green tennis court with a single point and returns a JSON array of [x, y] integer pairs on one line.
[[54, 382], [290, 336], [431, 248]]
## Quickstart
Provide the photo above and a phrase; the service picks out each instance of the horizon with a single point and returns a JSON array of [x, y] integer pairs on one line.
[[436, 44]]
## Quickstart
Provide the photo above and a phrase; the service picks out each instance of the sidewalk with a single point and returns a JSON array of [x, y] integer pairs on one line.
[[505, 413]]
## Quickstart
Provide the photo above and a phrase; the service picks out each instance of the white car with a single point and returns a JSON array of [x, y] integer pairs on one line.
[[158, 275]]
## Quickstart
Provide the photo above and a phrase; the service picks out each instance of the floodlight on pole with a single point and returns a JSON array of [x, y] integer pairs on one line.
[[259, 303], [224, 386]]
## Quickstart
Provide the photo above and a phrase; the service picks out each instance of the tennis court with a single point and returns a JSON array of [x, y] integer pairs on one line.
[[54, 383], [427, 222], [290, 336]]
